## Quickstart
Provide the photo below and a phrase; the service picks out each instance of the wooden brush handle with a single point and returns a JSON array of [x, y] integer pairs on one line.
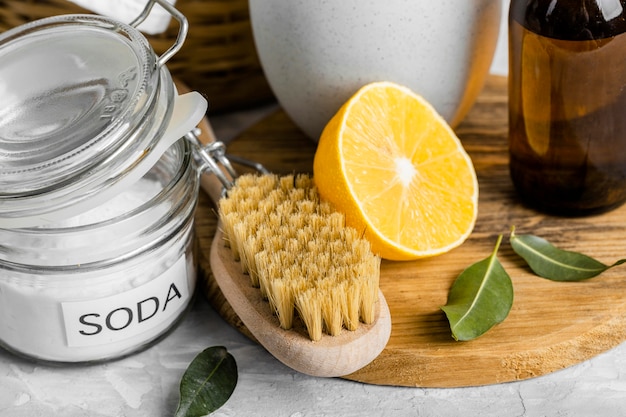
[[209, 183]]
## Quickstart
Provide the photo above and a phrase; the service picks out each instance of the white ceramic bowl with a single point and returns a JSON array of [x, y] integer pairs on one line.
[[316, 54]]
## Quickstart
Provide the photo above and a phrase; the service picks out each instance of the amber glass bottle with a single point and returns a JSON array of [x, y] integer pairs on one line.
[[567, 104]]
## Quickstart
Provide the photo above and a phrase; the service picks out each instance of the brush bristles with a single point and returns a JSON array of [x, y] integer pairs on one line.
[[300, 253]]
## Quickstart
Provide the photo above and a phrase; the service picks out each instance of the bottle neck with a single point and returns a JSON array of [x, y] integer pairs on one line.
[[571, 19]]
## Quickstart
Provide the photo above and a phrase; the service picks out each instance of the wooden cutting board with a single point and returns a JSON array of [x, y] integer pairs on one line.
[[551, 325]]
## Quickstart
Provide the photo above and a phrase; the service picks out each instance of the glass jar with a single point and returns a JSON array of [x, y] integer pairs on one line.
[[98, 188], [567, 94], [109, 281]]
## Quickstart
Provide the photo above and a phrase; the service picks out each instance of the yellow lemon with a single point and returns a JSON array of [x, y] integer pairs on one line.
[[398, 172]]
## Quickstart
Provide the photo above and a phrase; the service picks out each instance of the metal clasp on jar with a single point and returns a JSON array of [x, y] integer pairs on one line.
[[213, 159], [182, 31]]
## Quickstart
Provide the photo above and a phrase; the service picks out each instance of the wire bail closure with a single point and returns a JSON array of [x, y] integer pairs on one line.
[[182, 30], [213, 160]]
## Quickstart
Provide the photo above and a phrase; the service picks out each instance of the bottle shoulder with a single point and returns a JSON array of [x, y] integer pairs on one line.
[[571, 19]]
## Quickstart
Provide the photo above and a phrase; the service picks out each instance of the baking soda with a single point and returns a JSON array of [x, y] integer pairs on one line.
[[139, 193]]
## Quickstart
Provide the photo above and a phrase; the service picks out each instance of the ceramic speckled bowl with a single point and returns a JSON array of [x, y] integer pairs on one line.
[[317, 54]]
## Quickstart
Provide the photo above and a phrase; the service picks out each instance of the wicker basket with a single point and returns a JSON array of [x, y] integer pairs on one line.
[[217, 59]]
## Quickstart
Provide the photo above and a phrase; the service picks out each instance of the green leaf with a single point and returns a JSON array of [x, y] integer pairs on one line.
[[480, 298], [556, 264], [207, 383]]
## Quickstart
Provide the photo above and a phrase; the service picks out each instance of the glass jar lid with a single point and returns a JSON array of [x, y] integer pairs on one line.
[[82, 99]]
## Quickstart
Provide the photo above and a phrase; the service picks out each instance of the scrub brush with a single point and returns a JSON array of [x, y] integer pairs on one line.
[[292, 272], [306, 263]]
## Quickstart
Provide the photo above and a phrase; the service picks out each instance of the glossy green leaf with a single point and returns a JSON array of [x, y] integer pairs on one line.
[[481, 297], [208, 383], [556, 264]]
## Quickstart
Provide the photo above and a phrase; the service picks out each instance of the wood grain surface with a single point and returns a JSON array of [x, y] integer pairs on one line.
[[551, 325]]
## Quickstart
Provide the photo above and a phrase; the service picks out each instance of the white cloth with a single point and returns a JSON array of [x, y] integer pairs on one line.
[[127, 10]]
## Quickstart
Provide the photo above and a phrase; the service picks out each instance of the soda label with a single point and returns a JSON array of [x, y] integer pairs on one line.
[[122, 316]]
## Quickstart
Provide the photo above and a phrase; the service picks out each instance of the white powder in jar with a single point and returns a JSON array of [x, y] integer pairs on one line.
[[136, 195]]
